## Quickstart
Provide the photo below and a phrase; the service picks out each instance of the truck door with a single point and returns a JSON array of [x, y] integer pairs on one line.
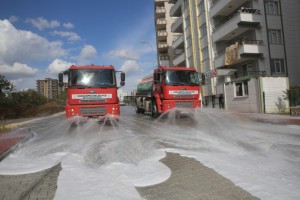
[[157, 82]]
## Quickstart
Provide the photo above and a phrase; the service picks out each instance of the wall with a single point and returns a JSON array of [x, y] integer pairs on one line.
[[249, 103], [273, 89]]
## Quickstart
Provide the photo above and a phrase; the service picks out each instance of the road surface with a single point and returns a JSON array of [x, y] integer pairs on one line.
[[211, 154]]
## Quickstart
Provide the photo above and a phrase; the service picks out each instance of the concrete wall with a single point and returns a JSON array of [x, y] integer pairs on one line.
[[248, 103], [272, 88]]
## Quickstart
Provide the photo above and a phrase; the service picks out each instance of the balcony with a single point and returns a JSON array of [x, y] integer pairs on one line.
[[161, 24], [178, 42], [160, 1], [224, 7], [240, 23], [177, 26], [160, 12], [163, 57], [179, 60], [250, 49], [162, 45], [239, 52], [162, 35], [176, 10], [248, 75], [219, 60]]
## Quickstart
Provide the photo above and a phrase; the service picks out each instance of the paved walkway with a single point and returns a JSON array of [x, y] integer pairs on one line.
[[10, 141], [271, 118], [193, 181]]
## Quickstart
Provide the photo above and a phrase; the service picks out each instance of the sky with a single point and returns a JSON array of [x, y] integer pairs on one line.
[[39, 39]]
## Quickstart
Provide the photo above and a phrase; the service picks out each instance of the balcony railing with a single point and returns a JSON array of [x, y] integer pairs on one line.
[[177, 25], [256, 73], [160, 10], [213, 2], [241, 10], [248, 75], [162, 33], [162, 45], [242, 50], [242, 42]]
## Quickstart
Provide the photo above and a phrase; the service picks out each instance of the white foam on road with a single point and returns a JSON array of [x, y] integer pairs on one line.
[[100, 162]]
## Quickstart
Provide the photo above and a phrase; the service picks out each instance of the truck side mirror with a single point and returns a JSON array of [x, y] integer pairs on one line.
[[122, 83], [202, 78], [122, 76], [156, 78], [61, 79]]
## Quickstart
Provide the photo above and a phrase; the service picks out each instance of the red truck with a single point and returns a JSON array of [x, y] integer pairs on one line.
[[167, 88], [92, 91]]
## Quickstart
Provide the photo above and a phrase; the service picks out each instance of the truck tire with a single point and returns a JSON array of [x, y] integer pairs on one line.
[[154, 111], [137, 110]]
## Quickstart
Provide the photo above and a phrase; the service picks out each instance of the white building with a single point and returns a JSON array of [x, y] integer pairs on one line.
[[248, 49]]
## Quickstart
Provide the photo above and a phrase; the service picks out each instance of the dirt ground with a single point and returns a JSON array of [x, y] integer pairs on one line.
[[17, 114], [30, 111]]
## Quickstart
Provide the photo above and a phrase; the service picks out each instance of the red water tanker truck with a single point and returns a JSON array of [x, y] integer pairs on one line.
[[167, 88], [92, 91]]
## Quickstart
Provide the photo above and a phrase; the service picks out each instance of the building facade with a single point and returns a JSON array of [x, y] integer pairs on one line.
[[244, 47], [164, 36], [48, 87]]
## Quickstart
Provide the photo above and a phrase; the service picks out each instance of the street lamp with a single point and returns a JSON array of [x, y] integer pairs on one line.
[[144, 42]]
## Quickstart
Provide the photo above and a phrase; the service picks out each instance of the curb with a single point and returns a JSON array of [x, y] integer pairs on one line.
[[11, 141], [271, 118]]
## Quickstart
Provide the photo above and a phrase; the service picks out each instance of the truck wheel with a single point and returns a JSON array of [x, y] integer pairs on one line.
[[154, 112], [137, 110]]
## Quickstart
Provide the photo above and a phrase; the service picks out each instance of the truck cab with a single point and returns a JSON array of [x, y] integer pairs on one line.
[[92, 91]]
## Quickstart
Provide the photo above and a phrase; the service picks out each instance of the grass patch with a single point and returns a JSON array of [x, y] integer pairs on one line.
[[3, 129]]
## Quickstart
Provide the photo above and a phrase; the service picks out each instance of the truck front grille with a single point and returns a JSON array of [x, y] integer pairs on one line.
[[92, 101], [93, 111], [189, 104]]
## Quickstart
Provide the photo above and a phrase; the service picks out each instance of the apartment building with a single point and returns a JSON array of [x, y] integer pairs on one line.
[[247, 49], [47, 87], [164, 36]]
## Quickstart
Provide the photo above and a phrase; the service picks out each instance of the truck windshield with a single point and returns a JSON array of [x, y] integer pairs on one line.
[[92, 78], [181, 77]]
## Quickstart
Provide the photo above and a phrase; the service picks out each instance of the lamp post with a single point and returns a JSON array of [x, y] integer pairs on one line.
[[144, 42]]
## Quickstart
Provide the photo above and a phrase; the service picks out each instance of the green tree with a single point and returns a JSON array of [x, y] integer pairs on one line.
[[6, 88]]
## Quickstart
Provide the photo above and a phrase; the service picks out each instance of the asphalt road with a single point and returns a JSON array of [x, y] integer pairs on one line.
[[189, 179]]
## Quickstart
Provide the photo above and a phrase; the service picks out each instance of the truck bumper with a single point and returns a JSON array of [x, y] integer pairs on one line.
[[169, 104], [93, 111]]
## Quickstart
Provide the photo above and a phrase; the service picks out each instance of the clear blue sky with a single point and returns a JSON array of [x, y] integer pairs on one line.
[[38, 39]]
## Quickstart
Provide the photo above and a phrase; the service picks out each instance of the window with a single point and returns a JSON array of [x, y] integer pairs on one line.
[[201, 7], [272, 8], [203, 30], [189, 41], [204, 53], [187, 22], [277, 66], [241, 89], [275, 36], [185, 4]]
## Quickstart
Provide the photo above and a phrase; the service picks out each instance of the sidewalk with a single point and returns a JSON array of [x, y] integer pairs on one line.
[[11, 140], [271, 118]]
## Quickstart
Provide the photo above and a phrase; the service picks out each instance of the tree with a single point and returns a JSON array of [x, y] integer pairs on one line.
[[30, 98], [6, 86]]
